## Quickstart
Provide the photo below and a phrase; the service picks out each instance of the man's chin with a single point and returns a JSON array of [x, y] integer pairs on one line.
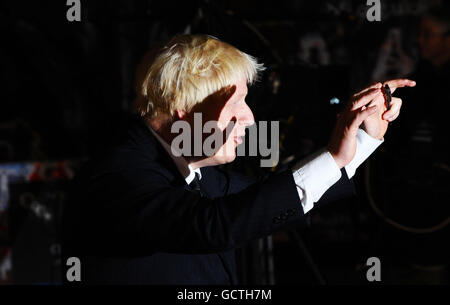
[[224, 159]]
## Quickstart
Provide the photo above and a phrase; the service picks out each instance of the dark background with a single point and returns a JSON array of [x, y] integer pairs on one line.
[[65, 85]]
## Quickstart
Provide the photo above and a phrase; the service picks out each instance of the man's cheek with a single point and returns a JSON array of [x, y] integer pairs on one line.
[[225, 119]]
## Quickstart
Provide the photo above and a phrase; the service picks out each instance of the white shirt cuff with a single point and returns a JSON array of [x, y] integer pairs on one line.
[[314, 176], [365, 146]]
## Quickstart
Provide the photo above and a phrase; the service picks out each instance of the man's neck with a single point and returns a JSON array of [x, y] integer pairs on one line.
[[162, 129], [187, 169]]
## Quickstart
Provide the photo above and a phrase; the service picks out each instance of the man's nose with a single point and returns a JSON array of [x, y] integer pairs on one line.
[[246, 117]]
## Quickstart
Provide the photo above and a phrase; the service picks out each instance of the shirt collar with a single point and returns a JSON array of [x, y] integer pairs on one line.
[[184, 168]]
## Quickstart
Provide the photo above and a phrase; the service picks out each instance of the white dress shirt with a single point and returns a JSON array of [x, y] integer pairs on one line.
[[313, 176], [317, 173]]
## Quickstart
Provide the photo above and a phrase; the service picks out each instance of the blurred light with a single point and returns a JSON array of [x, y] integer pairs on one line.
[[334, 101]]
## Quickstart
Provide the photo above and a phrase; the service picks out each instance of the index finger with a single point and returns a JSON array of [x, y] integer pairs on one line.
[[399, 83], [372, 86]]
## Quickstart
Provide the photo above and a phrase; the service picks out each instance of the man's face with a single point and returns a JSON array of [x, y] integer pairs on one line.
[[227, 108], [235, 110]]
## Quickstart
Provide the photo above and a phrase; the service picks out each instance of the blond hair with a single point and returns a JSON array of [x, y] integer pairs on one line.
[[190, 68]]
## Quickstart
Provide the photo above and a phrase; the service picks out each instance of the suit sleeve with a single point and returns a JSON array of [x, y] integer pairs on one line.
[[136, 212], [140, 211]]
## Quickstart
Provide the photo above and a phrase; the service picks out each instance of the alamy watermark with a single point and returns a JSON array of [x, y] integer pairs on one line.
[[74, 11], [374, 12], [73, 273], [373, 274], [195, 143]]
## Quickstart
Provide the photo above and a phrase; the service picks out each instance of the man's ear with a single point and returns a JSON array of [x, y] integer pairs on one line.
[[181, 114]]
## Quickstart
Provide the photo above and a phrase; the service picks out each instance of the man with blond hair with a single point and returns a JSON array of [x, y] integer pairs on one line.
[[149, 214]]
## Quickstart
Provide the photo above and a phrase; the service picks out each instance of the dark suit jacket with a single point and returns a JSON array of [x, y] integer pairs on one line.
[[134, 220]]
